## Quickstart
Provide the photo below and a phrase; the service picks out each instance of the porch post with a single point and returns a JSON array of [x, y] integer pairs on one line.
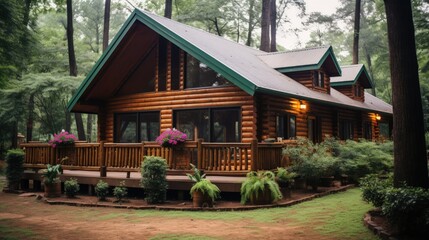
[[101, 160], [199, 153], [254, 147]]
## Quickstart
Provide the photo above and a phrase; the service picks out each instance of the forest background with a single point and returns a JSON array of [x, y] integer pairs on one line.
[[36, 81]]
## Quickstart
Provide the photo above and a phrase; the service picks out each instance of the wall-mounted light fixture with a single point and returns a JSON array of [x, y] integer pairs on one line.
[[302, 105], [377, 117]]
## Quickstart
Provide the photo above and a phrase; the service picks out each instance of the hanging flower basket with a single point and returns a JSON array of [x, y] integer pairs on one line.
[[171, 138], [63, 138]]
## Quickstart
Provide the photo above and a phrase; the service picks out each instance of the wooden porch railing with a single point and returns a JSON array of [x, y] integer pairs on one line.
[[223, 157]]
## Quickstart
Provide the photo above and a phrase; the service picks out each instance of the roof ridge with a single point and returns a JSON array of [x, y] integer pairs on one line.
[[201, 30], [295, 50], [351, 65]]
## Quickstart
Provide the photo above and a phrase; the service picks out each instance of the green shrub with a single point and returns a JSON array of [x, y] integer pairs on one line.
[[357, 159], [203, 185], [50, 174], [102, 190], [407, 209], [71, 187], [311, 160], [120, 192], [14, 168], [257, 183], [285, 176], [374, 189], [154, 179]]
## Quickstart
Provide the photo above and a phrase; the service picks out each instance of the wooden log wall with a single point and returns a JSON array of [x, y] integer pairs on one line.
[[306, 79], [168, 101], [349, 91]]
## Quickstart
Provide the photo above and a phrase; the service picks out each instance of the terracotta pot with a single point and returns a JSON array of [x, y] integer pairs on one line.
[[201, 200], [53, 190], [263, 197]]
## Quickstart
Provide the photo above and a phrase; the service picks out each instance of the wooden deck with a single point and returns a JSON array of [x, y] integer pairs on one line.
[[175, 182]]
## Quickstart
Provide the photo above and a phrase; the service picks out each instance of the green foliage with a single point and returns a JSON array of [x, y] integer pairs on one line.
[[15, 167], [408, 209], [283, 175], [120, 192], [357, 159], [196, 176], [256, 183], [50, 174], [102, 190], [208, 189], [374, 189], [71, 187], [311, 160], [154, 181]]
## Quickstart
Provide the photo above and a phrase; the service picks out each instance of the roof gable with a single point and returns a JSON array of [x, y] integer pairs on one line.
[[351, 74], [303, 60]]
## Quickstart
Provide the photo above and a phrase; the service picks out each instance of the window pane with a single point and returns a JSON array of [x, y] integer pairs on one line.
[[195, 123], [280, 126], [310, 125], [292, 126], [175, 67], [199, 74], [346, 129], [126, 128], [226, 125], [149, 126]]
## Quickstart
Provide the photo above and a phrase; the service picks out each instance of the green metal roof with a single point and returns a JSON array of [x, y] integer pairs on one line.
[[350, 75], [243, 66]]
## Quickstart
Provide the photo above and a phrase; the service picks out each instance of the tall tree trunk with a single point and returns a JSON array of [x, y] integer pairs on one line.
[[408, 129], [106, 25], [356, 33], [168, 8], [369, 64], [273, 19], [265, 26], [73, 66], [30, 118], [250, 25]]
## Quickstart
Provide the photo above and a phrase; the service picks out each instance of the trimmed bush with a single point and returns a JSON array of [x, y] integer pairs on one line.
[[71, 187], [120, 192], [14, 168], [407, 209], [154, 180], [102, 190], [374, 189]]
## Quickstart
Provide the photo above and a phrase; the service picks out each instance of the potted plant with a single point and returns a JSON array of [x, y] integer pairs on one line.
[[51, 180], [260, 188], [285, 180], [71, 187], [63, 138], [171, 138], [203, 192]]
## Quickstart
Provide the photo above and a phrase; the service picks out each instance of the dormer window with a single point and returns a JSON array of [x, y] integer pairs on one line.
[[358, 92], [318, 79]]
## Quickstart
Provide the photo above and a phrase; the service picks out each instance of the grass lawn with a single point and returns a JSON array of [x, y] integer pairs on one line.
[[337, 216]]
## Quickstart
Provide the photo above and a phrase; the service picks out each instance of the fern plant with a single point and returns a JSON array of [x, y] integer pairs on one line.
[[260, 184], [209, 190]]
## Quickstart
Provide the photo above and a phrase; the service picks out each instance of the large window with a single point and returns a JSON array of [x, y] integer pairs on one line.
[[199, 74], [215, 125], [136, 127], [286, 126], [346, 129]]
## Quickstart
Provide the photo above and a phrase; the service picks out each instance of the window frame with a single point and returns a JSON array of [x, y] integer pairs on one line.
[[318, 79], [316, 129], [342, 124], [186, 75], [138, 122], [210, 115], [285, 118]]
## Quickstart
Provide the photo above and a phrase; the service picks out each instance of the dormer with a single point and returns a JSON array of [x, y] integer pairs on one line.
[[312, 67], [353, 81]]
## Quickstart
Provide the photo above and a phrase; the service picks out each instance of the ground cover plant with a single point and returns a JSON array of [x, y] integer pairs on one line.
[[337, 216]]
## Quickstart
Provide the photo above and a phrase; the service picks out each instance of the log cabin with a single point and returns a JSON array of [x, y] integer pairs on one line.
[[231, 100]]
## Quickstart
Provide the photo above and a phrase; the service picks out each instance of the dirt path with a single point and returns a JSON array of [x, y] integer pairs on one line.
[[27, 218]]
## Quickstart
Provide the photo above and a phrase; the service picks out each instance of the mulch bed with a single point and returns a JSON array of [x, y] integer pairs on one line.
[[298, 196]]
